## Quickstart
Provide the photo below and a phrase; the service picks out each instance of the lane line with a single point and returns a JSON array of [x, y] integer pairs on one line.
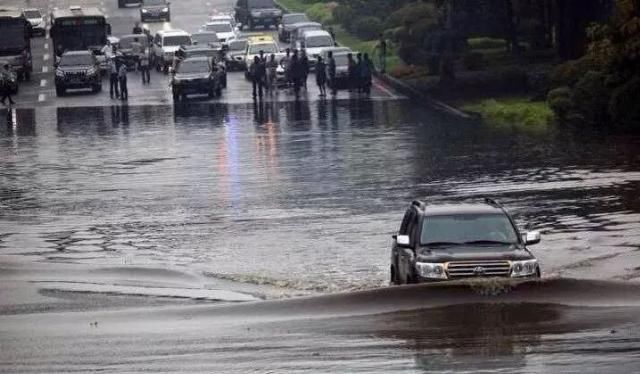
[[43, 82], [46, 45], [385, 90], [45, 56], [41, 97], [45, 69]]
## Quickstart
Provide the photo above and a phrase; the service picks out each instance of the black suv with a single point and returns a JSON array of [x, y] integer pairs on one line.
[[155, 10], [77, 69], [257, 12], [196, 75], [448, 242]]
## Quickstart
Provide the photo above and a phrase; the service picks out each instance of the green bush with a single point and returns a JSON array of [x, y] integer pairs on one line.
[[623, 107], [559, 100], [474, 61], [344, 15], [367, 28], [321, 12], [569, 73], [411, 14], [591, 96], [486, 43]]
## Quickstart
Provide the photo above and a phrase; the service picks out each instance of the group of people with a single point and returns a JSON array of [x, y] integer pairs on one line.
[[263, 71], [360, 73]]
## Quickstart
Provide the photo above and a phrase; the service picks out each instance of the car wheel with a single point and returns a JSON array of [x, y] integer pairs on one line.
[[251, 25], [168, 18], [393, 276], [176, 97], [158, 67], [218, 91], [224, 81], [27, 75], [59, 91]]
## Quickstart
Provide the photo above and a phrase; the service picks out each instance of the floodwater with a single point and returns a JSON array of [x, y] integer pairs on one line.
[[231, 202]]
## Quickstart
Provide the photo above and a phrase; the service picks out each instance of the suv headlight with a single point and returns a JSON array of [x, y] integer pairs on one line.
[[431, 270], [91, 71], [256, 13], [524, 268], [144, 10], [165, 10]]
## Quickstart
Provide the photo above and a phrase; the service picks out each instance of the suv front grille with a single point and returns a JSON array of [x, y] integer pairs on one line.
[[462, 269]]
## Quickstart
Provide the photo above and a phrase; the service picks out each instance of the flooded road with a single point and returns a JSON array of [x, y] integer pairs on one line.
[[157, 229], [301, 195]]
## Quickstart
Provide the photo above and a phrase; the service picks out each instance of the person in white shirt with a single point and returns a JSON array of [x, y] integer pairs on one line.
[[113, 78], [144, 66]]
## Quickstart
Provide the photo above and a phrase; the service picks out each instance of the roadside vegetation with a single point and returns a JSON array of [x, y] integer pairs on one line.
[[577, 59]]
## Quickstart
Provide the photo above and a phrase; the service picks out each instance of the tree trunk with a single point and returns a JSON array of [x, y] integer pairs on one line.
[[512, 30]]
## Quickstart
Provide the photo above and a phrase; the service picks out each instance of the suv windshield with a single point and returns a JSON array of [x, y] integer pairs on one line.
[[254, 49], [261, 4], [75, 60], [32, 14], [193, 66], [176, 40], [238, 45], [468, 228], [341, 60], [219, 27], [318, 41], [294, 18], [154, 2], [204, 38]]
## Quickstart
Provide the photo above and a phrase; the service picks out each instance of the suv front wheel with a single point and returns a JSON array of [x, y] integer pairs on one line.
[[60, 90]]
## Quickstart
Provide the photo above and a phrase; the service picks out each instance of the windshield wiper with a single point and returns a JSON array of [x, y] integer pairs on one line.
[[441, 244], [489, 242]]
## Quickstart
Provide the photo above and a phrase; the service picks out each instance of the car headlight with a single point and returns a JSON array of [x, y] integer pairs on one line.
[[165, 10], [256, 14], [91, 71], [431, 270], [278, 12], [524, 268], [144, 11]]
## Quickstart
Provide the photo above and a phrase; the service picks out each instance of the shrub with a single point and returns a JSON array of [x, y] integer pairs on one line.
[[344, 15], [411, 14], [570, 72], [322, 12], [623, 107], [486, 43], [367, 27], [590, 97], [559, 100], [474, 61]]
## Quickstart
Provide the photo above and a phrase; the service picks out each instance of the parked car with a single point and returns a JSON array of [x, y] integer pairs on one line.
[[286, 25], [156, 10], [206, 38], [255, 44], [36, 19], [252, 13], [126, 3], [126, 43], [341, 79], [196, 75], [459, 241], [13, 80], [298, 29], [165, 44], [313, 42], [77, 69], [224, 17], [223, 29], [235, 53], [189, 51]]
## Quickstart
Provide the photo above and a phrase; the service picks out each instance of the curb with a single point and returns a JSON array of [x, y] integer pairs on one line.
[[409, 91]]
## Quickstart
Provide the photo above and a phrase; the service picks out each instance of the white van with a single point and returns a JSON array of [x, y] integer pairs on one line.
[[313, 42], [165, 45]]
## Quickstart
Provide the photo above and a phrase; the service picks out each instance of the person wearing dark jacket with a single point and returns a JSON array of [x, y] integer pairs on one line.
[[258, 76], [331, 70], [296, 72], [352, 72], [321, 76], [304, 62], [366, 74]]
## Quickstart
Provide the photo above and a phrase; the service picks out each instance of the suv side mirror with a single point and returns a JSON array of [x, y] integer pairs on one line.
[[532, 237], [403, 240]]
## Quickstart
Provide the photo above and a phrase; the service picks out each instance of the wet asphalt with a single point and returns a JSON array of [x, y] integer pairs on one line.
[[107, 205]]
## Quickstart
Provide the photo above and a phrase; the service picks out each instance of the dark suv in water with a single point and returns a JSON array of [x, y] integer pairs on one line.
[[196, 75], [77, 69], [155, 10], [448, 242], [258, 12]]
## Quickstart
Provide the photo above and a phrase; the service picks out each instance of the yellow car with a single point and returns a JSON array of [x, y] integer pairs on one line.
[[257, 43]]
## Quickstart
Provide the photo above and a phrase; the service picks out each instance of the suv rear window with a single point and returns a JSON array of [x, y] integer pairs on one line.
[[176, 40], [464, 228], [262, 4]]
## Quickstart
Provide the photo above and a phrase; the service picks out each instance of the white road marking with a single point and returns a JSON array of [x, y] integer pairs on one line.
[[45, 69], [43, 82], [46, 45], [41, 97], [45, 56], [385, 90]]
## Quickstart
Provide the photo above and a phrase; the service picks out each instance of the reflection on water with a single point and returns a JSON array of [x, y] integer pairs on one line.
[[306, 194]]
